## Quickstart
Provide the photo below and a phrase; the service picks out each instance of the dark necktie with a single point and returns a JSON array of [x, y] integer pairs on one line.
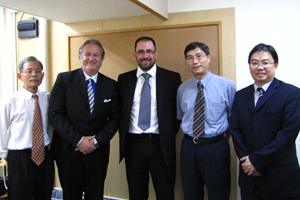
[[261, 93], [91, 95], [38, 148], [199, 113], [145, 104]]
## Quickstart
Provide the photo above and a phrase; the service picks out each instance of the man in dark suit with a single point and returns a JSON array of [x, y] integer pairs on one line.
[[264, 125], [149, 146], [84, 112]]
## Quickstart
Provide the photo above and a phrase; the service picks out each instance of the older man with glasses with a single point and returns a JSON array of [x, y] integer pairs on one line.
[[204, 105], [25, 135]]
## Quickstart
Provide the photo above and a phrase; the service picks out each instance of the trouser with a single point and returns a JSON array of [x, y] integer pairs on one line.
[[27, 180], [206, 163], [143, 155]]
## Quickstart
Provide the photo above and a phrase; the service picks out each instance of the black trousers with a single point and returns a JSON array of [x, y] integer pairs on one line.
[[258, 194], [78, 176], [205, 164], [27, 180], [144, 155]]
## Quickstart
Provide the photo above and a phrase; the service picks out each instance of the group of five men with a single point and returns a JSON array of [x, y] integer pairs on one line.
[[148, 105]]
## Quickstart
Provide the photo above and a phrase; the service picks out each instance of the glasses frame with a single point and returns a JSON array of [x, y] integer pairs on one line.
[[260, 63], [30, 72], [198, 57], [147, 52]]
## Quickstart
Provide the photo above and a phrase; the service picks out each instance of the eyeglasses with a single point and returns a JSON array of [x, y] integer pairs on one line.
[[29, 72], [264, 63], [197, 56], [148, 52]]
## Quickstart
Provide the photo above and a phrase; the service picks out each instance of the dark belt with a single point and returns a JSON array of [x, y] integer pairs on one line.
[[28, 149], [216, 139], [146, 136]]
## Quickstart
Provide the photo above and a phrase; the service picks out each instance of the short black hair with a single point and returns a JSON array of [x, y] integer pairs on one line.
[[28, 59], [195, 45], [91, 41], [264, 48], [144, 38]]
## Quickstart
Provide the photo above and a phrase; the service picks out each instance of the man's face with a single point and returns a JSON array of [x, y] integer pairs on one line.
[[32, 76], [198, 62], [260, 74], [90, 59], [145, 54]]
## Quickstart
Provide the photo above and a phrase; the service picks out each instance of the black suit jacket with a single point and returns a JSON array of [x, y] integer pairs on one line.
[[167, 83], [267, 133], [69, 113]]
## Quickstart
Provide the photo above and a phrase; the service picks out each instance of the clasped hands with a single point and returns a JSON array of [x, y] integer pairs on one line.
[[87, 145], [248, 168]]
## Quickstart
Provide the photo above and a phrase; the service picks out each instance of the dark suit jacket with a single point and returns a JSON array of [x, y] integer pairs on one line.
[[167, 83], [70, 116], [267, 133]]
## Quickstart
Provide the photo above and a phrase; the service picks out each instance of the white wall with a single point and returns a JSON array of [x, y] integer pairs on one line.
[[274, 22]]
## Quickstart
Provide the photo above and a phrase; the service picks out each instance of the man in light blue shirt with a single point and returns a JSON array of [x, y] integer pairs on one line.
[[205, 158]]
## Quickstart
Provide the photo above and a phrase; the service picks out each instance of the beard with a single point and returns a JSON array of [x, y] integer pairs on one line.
[[146, 66]]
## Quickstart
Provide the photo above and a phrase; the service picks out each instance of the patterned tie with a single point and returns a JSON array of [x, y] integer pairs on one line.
[[91, 95], [199, 115], [145, 104], [261, 93], [38, 148]]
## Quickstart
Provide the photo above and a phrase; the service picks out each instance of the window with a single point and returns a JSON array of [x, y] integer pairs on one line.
[[7, 52]]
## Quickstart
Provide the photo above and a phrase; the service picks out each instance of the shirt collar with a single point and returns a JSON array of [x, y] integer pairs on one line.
[[152, 71], [265, 86], [27, 94], [94, 78], [205, 80]]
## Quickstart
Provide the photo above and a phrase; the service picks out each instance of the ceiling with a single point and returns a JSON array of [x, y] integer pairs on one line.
[[68, 11]]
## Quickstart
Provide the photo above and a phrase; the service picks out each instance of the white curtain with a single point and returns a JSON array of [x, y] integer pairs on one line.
[[2, 57]]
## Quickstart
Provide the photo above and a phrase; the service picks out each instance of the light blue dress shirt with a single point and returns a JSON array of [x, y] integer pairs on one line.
[[219, 95]]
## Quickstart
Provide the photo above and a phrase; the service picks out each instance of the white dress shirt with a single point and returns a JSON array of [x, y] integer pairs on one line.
[[256, 93], [16, 120], [87, 77], [94, 78], [134, 117]]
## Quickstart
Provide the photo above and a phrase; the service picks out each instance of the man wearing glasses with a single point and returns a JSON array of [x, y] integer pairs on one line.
[[148, 124], [204, 104], [264, 125], [25, 134]]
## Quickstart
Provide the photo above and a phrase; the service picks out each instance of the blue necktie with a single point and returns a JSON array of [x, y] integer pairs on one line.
[[145, 104], [261, 93], [199, 113], [91, 95]]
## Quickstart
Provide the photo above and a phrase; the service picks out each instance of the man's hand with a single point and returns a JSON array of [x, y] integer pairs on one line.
[[248, 168], [87, 145]]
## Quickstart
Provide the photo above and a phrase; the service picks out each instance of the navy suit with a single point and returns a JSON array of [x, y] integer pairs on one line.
[[267, 133], [70, 115], [167, 83]]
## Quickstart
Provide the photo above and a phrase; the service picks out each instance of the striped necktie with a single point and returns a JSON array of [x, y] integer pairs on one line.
[[38, 148], [261, 93], [199, 113], [91, 95]]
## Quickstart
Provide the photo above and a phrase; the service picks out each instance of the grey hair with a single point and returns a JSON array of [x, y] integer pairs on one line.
[[28, 59], [91, 41]]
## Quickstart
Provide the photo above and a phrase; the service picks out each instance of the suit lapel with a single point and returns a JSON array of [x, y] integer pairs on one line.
[[249, 98], [159, 92], [129, 92], [80, 82], [268, 94]]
